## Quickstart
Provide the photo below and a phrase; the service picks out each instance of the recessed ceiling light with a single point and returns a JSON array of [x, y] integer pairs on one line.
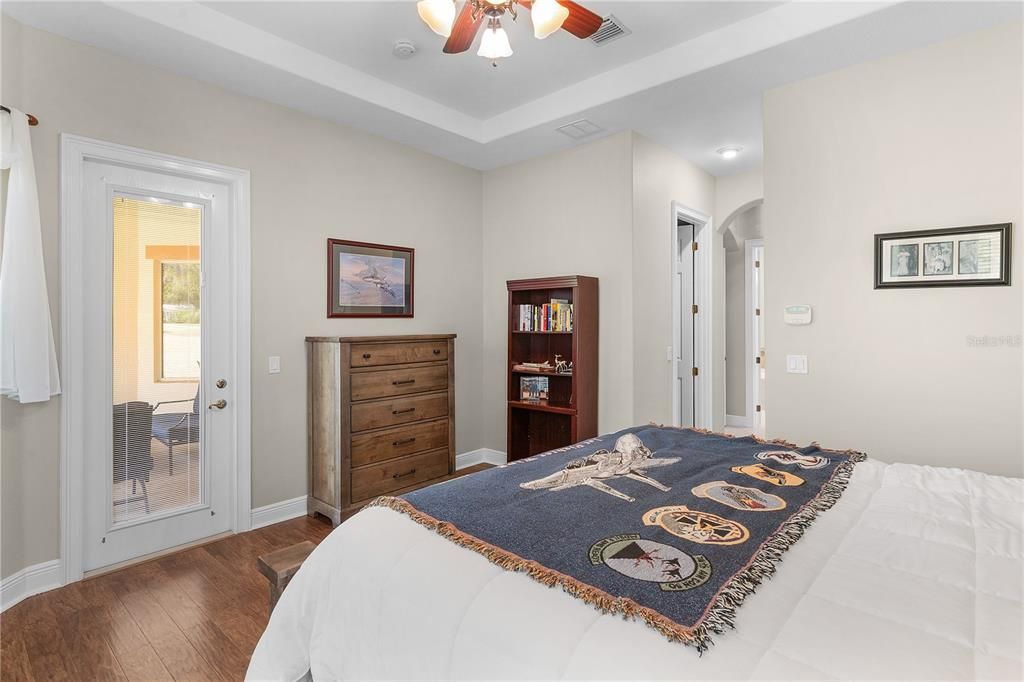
[[729, 152]]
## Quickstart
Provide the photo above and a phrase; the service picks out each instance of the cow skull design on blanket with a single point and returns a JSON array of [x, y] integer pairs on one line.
[[630, 459]]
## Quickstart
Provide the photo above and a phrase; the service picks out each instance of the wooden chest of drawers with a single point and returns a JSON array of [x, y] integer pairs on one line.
[[381, 418]]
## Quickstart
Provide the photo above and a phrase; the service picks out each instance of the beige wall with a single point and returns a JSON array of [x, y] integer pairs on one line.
[[929, 138], [565, 214], [311, 179], [735, 193], [601, 209], [659, 178]]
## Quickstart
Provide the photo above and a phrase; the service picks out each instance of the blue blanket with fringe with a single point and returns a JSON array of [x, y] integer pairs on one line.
[[671, 526]]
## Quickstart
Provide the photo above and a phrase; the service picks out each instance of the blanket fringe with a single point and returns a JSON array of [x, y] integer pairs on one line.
[[720, 613], [601, 600]]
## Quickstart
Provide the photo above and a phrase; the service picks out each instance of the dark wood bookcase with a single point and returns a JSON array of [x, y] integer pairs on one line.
[[570, 412]]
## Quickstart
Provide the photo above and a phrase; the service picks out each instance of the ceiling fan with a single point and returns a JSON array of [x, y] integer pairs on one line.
[[547, 15]]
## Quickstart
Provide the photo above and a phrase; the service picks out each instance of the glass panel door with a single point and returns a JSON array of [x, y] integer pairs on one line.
[[157, 459]]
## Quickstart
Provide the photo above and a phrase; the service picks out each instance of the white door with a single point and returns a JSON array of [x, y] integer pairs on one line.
[[685, 360], [757, 326], [157, 370]]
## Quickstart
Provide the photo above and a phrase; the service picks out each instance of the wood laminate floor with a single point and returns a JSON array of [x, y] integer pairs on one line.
[[192, 615]]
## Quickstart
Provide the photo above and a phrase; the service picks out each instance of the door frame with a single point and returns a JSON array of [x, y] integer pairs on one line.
[[753, 398], [703, 235], [75, 151]]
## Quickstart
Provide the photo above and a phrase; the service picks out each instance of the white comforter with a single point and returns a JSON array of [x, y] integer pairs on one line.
[[915, 573]]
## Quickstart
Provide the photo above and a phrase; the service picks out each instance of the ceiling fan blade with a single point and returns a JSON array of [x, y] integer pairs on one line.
[[463, 30], [581, 22]]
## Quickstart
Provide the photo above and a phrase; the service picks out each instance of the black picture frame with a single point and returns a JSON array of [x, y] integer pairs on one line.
[[401, 290], [908, 241]]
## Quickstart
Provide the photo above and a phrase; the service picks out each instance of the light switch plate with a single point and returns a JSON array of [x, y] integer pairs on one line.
[[274, 364], [796, 364]]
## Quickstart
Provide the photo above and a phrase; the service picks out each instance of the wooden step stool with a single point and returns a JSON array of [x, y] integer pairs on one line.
[[280, 565]]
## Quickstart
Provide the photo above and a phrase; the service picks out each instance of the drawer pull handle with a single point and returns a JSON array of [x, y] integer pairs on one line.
[[403, 381], [366, 356], [407, 473], [437, 351], [406, 410], [404, 441]]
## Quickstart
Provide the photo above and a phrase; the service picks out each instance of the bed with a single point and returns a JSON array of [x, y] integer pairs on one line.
[[913, 573]]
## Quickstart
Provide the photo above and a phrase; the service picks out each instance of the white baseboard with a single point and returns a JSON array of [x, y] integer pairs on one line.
[[278, 512], [296, 507], [29, 581], [479, 456], [46, 576], [735, 420]]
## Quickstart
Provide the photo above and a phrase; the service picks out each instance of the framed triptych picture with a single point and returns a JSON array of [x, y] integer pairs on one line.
[[368, 280], [950, 257]]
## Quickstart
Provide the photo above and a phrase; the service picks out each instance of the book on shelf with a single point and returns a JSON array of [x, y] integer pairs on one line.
[[555, 316], [533, 367]]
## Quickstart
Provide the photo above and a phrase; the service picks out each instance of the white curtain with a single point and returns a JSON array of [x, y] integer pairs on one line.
[[28, 361]]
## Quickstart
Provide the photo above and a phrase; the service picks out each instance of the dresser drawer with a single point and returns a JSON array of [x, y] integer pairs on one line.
[[368, 448], [389, 382], [380, 413], [381, 479], [375, 354]]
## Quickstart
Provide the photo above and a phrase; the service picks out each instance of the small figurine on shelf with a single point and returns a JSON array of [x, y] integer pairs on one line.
[[561, 366]]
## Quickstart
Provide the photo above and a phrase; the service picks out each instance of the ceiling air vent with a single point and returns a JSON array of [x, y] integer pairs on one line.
[[577, 130], [610, 30]]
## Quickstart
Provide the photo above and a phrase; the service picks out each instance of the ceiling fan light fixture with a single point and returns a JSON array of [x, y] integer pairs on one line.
[[547, 16], [439, 15], [494, 43]]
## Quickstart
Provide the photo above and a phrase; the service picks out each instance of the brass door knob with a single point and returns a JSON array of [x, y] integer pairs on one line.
[[220, 404]]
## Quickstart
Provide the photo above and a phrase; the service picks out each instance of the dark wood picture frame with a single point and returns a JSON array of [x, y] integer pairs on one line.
[[954, 234], [335, 308]]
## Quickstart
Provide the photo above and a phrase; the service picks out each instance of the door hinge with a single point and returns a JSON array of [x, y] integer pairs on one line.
[[757, 359], [693, 246], [758, 408], [694, 371], [757, 312], [693, 309], [757, 264]]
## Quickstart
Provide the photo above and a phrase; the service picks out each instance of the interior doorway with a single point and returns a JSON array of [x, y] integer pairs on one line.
[[684, 356], [754, 311], [156, 345], [690, 357], [743, 241]]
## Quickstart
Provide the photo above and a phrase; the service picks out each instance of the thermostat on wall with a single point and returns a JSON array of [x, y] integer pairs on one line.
[[798, 314]]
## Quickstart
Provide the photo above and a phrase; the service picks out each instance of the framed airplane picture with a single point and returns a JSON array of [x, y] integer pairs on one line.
[[369, 280], [950, 257]]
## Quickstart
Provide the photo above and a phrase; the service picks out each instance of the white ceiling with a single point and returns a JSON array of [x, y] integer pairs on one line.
[[690, 76], [362, 34]]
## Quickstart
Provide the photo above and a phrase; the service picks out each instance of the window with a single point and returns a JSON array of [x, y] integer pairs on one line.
[[179, 342]]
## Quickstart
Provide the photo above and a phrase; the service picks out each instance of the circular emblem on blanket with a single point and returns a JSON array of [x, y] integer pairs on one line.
[[673, 569], [697, 526], [763, 473], [739, 496], [798, 458]]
